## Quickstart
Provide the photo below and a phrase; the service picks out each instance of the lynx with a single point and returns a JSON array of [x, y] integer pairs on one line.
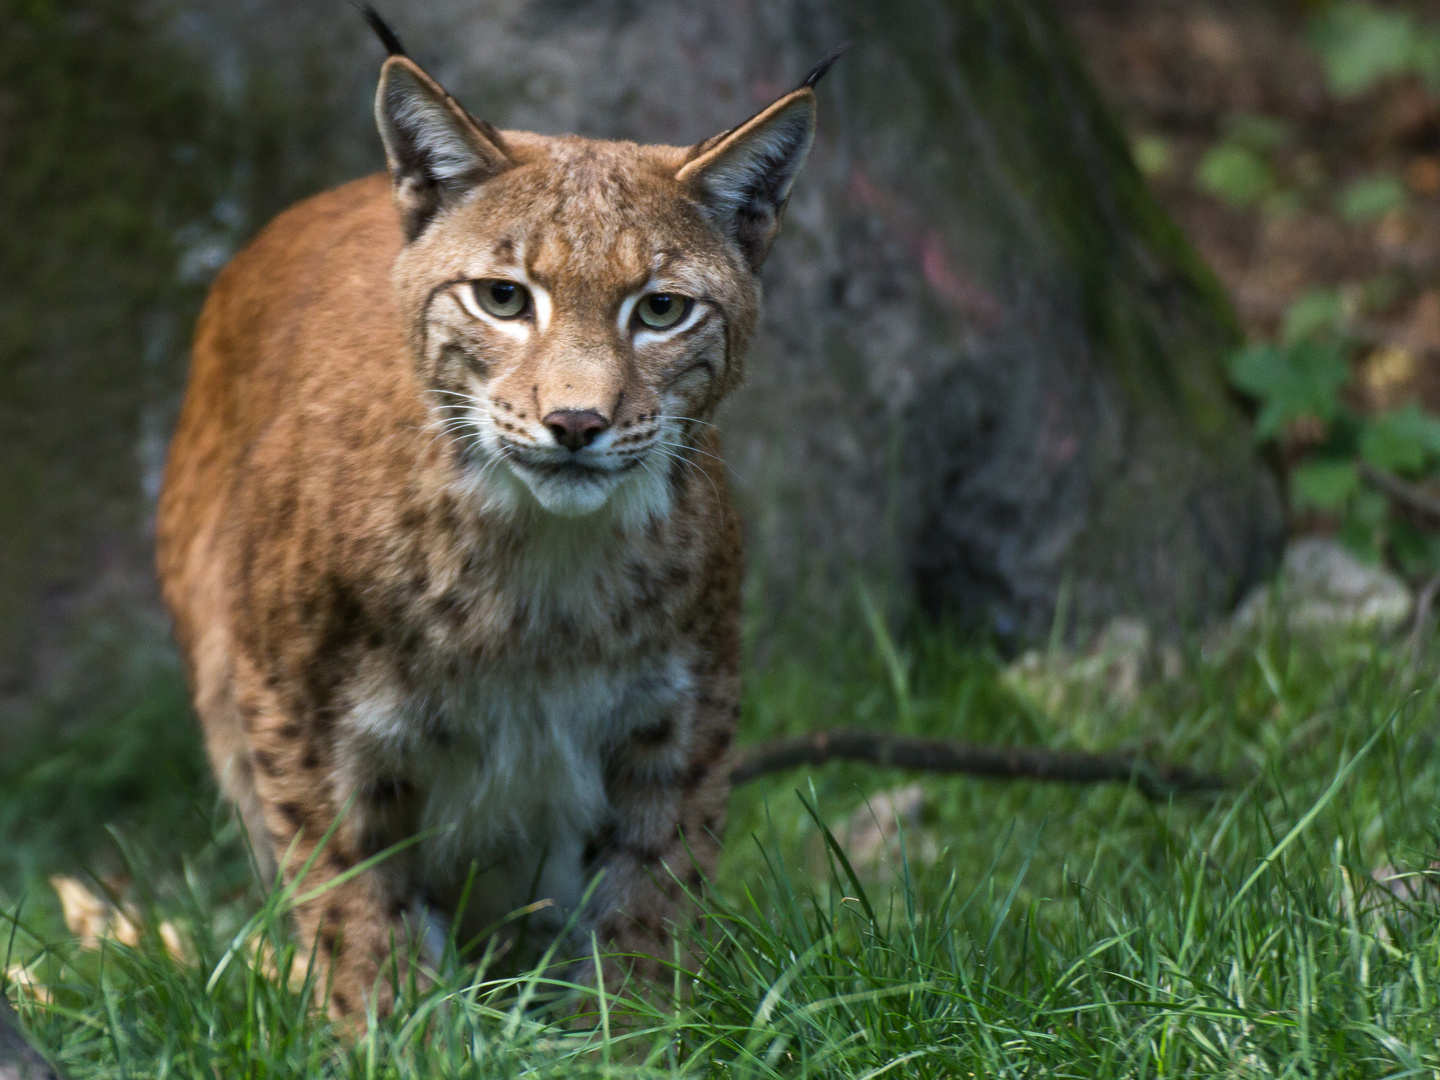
[[446, 537]]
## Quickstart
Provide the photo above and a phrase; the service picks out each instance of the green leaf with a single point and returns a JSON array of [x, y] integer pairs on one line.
[[1323, 485], [1426, 53], [1369, 509], [1318, 313], [1404, 440], [1371, 198], [1256, 132], [1235, 175], [1153, 155], [1303, 379], [1361, 45], [1258, 369]]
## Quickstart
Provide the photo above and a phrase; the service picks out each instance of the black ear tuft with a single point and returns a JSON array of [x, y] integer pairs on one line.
[[818, 71], [387, 36]]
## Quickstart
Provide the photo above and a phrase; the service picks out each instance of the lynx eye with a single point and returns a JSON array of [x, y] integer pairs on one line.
[[502, 299], [659, 310]]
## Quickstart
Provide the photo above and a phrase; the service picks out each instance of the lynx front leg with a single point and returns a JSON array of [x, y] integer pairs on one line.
[[354, 925], [668, 790]]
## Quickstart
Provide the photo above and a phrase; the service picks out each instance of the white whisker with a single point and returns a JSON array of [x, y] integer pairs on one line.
[[689, 419], [696, 449], [686, 461]]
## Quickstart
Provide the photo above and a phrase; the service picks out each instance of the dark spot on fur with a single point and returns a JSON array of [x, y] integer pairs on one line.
[[697, 772], [341, 1000], [662, 731], [387, 790], [264, 761], [471, 565], [596, 844], [293, 813], [310, 760], [344, 622], [291, 729], [450, 605]]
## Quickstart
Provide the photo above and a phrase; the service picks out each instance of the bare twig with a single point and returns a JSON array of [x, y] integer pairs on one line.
[[946, 756], [1423, 603], [1411, 496], [18, 1059]]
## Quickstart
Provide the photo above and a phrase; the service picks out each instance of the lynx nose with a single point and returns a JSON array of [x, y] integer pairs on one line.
[[575, 429]]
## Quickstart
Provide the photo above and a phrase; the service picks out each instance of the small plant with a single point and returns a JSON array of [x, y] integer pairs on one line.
[[1243, 169], [1335, 451], [1363, 45]]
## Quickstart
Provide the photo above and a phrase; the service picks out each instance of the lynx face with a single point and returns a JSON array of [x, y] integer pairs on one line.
[[580, 306]]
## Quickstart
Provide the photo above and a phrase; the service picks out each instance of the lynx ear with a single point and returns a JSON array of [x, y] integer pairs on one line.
[[743, 176], [436, 150]]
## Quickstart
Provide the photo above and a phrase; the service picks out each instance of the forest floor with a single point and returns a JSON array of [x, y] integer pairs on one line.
[[1311, 189], [1284, 927]]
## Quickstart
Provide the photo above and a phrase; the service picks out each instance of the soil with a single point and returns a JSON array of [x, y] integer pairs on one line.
[[1181, 74]]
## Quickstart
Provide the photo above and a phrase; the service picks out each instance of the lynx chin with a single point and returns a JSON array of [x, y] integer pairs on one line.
[[446, 536]]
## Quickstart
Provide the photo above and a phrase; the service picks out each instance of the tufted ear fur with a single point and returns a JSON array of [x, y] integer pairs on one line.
[[743, 176], [437, 152]]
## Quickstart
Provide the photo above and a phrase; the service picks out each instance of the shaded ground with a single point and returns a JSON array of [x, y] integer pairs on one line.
[[1186, 76]]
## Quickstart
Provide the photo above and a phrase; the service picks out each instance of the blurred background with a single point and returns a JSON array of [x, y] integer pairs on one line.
[[1081, 309]]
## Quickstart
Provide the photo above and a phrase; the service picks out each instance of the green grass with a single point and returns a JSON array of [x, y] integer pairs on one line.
[[1055, 931]]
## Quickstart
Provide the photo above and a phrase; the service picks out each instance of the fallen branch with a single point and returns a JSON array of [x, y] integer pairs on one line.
[[945, 756], [1411, 496]]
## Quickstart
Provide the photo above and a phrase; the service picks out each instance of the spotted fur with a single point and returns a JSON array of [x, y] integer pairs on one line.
[[404, 604]]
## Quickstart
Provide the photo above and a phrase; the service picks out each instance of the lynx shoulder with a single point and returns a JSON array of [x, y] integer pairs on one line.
[[445, 535]]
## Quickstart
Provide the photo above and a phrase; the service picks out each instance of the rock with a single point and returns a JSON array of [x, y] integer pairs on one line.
[[1322, 585], [872, 837], [1106, 677]]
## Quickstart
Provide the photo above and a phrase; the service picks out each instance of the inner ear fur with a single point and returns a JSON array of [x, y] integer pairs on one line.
[[436, 151], [743, 177]]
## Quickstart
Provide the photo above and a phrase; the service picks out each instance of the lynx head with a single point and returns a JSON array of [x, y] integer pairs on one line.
[[578, 306]]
